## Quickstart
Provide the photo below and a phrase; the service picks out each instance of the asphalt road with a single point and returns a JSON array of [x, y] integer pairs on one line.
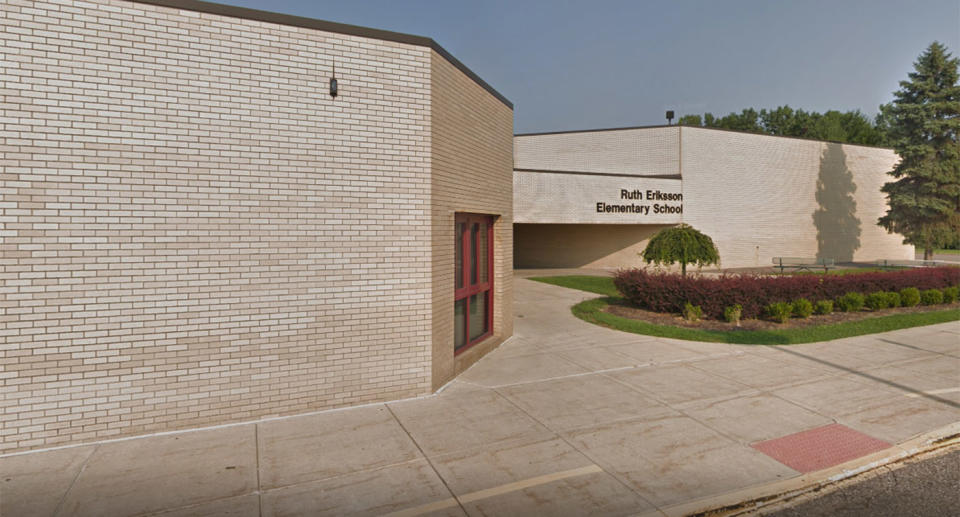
[[927, 487]]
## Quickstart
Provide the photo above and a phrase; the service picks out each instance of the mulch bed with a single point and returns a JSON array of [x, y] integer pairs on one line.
[[676, 320]]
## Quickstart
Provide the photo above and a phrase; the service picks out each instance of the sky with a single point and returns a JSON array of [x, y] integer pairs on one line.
[[569, 65]]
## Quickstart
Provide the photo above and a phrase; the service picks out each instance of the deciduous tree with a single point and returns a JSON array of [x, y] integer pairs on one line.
[[682, 244], [845, 127]]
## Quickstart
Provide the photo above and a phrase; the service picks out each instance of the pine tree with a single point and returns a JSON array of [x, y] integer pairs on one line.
[[923, 126]]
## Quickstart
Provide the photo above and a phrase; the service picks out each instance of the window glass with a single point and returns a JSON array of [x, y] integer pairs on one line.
[[461, 227], [474, 230], [478, 315], [472, 297], [459, 323], [483, 256]]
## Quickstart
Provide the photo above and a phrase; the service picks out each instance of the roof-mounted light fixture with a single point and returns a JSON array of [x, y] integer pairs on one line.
[[669, 116]]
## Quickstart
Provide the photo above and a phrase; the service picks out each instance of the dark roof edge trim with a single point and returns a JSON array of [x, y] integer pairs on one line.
[[469, 73], [312, 23], [661, 126], [616, 174], [598, 130]]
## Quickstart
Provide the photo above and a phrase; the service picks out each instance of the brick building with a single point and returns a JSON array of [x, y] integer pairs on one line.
[[195, 231], [196, 228], [595, 198]]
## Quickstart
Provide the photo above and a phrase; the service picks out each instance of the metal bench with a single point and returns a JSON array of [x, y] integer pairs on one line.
[[803, 264], [891, 264]]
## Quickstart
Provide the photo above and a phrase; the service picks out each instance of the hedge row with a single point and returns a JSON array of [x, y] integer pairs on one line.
[[665, 292]]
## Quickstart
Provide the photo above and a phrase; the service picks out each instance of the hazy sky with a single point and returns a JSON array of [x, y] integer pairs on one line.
[[604, 63]]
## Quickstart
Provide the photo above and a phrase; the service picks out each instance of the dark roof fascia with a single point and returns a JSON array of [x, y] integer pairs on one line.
[[599, 130], [804, 138], [616, 174], [700, 127], [339, 28]]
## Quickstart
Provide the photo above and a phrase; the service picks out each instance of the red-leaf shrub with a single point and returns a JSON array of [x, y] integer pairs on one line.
[[664, 292]]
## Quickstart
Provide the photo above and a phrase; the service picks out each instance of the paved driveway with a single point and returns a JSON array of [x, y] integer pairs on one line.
[[566, 418]]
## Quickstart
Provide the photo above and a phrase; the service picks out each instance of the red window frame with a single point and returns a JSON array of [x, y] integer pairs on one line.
[[469, 289]]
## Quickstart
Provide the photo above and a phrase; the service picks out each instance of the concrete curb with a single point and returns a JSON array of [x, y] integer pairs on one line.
[[748, 500]]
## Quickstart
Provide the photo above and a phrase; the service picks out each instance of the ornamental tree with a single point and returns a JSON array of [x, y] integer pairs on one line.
[[923, 123], [682, 244]]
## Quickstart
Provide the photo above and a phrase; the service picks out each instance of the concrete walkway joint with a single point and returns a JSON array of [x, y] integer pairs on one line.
[[565, 418]]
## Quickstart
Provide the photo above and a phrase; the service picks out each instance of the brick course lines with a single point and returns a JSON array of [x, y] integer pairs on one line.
[[193, 232], [757, 197], [472, 166]]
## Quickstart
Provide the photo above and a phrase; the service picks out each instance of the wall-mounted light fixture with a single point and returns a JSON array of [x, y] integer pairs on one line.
[[333, 81]]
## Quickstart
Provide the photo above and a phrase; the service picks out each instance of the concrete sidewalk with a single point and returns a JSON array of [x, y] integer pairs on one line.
[[566, 418]]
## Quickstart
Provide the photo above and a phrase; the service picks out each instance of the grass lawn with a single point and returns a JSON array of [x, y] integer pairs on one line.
[[592, 284], [592, 311], [946, 252]]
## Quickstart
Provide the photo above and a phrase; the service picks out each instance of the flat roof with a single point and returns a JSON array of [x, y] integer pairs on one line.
[[661, 126], [312, 23]]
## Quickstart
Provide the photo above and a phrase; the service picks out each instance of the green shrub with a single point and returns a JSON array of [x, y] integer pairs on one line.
[[876, 301], [931, 297], [667, 292], [850, 302], [779, 311], [909, 296], [692, 312], [823, 307], [732, 314], [951, 294], [802, 308], [893, 298]]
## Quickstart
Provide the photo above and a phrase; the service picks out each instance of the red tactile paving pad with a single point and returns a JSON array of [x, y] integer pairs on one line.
[[820, 448]]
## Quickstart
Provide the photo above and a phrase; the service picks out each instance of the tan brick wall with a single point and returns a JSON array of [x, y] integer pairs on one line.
[[592, 246], [472, 172], [760, 197], [653, 151], [194, 232], [547, 197], [757, 196]]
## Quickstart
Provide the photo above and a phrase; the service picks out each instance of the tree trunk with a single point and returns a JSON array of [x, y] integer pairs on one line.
[[928, 254], [683, 258]]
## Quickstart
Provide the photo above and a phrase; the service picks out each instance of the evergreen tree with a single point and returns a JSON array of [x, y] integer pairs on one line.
[[923, 125]]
